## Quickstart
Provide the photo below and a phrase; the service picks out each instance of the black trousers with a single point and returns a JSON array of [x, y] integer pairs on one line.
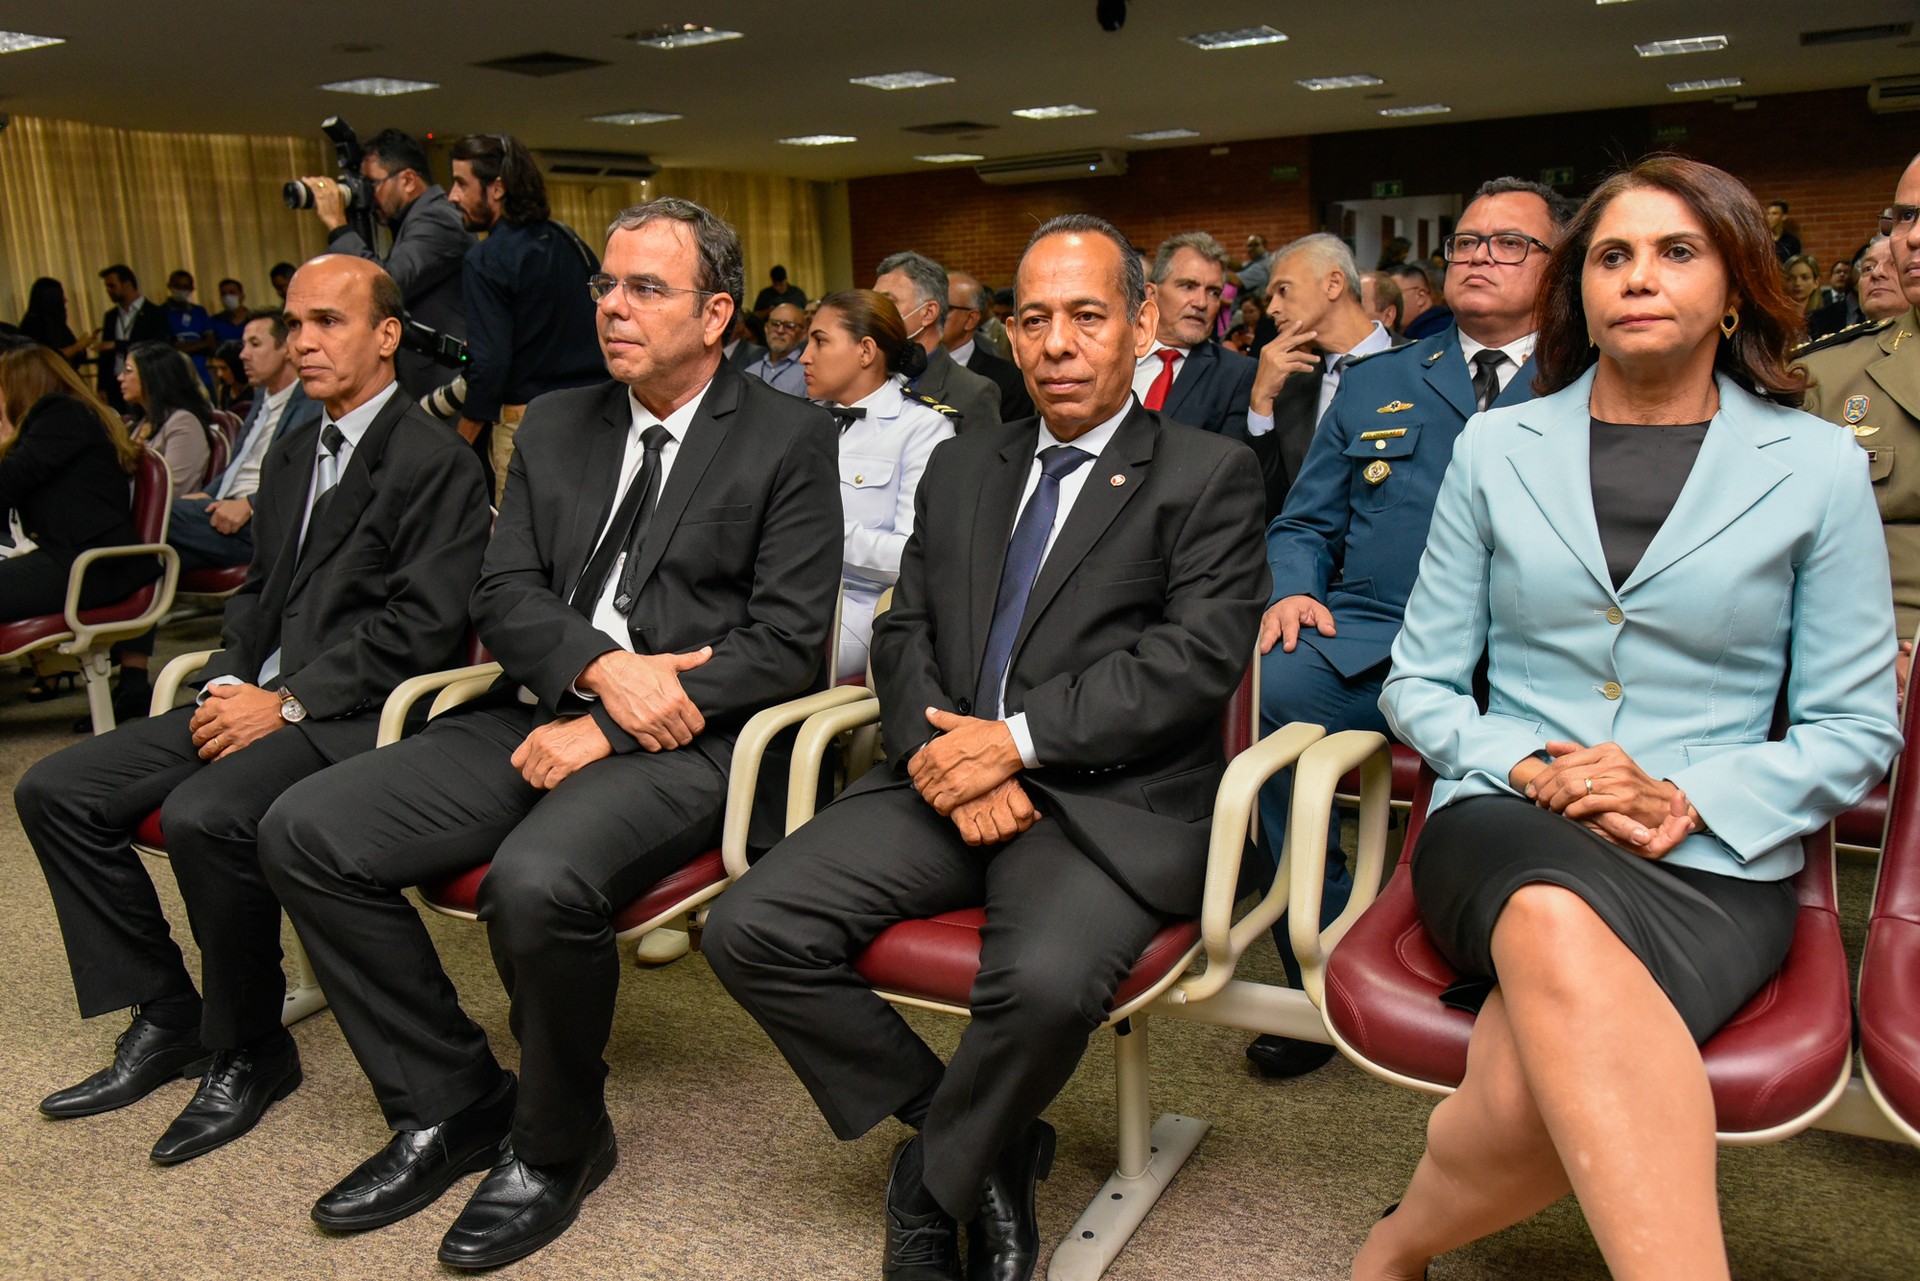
[[340, 847], [1060, 937], [79, 808], [35, 583]]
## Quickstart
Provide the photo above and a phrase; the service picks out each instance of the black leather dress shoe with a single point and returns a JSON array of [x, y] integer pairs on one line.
[[920, 1247], [1280, 1056], [145, 1057], [1003, 1238], [520, 1207], [418, 1166], [234, 1094]]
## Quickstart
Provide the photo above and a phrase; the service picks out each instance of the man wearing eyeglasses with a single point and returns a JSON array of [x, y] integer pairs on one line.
[[780, 368], [666, 564], [1346, 546], [1867, 379]]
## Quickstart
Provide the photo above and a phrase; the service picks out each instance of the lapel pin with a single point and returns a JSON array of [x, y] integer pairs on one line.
[[1116, 480], [1376, 471], [1394, 407]]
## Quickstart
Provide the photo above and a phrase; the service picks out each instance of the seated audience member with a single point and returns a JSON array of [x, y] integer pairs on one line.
[[229, 376], [777, 291], [665, 566], [1017, 781], [1183, 373], [1856, 379], [858, 362], [130, 321], [175, 418], [1323, 328], [1002, 313], [1240, 338], [45, 321], [1423, 312], [211, 527], [779, 365], [280, 275], [1346, 547], [188, 322], [741, 350], [1802, 273], [1875, 295], [1380, 299], [918, 287], [965, 340], [230, 322], [1613, 861], [372, 522]]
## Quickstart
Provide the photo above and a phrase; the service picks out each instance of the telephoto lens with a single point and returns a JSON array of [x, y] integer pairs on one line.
[[297, 195]]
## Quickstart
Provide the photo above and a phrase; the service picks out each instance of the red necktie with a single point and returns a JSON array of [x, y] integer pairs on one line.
[[1163, 383]]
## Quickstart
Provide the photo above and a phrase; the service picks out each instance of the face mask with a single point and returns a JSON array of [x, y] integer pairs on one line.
[[230, 301], [180, 295]]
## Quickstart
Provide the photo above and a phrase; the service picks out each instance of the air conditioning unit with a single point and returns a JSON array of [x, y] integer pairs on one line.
[[1067, 164], [1894, 93], [595, 164]]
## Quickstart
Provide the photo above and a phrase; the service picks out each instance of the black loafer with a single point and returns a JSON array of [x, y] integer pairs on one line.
[[417, 1166], [145, 1057], [1003, 1238], [518, 1208], [920, 1247], [234, 1094], [1282, 1056]]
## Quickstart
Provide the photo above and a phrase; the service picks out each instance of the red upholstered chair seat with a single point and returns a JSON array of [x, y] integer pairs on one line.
[[148, 833], [219, 581], [937, 959], [1866, 823], [1406, 775], [27, 632], [1773, 1062], [461, 894], [1890, 1014]]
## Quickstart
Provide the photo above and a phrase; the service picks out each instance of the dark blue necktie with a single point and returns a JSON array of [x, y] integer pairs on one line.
[[1024, 553]]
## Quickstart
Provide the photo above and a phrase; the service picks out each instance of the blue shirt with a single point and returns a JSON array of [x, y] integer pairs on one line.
[[190, 323], [781, 375]]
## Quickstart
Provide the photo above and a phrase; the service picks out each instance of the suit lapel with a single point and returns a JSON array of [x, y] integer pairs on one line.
[[284, 482], [1900, 379], [1557, 471], [1194, 370], [597, 488], [1448, 376], [1100, 501], [705, 434], [352, 492], [934, 381], [993, 517], [1519, 390]]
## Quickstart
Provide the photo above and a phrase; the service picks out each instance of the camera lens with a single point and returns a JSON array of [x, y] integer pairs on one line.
[[297, 195]]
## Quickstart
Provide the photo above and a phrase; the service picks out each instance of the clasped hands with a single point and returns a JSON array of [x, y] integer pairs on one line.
[[228, 515], [967, 775], [1605, 791], [641, 692], [232, 717]]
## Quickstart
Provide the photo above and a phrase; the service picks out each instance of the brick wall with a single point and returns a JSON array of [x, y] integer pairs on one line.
[[1832, 159]]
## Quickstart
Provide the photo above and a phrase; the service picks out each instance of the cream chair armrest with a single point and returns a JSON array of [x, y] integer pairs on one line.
[[393, 715], [173, 676], [87, 635], [810, 750], [1314, 780], [1223, 940], [750, 749], [462, 691]]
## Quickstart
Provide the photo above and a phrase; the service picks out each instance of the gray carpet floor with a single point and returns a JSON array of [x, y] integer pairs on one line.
[[726, 1170]]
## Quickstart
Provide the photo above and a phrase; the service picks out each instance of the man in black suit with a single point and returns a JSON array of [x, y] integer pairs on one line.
[[967, 302], [1185, 374], [1052, 688], [369, 531], [666, 564], [1316, 305], [133, 320]]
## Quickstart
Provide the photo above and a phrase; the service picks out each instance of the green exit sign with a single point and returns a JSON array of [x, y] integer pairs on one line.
[[1670, 133], [1557, 177], [1388, 189], [1284, 173]]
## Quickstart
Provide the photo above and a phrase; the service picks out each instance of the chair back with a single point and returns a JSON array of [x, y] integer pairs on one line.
[[152, 507], [1897, 893], [228, 425], [219, 454]]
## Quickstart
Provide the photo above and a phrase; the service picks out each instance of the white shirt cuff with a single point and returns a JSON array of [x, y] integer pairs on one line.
[[201, 697], [1022, 739], [1258, 424]]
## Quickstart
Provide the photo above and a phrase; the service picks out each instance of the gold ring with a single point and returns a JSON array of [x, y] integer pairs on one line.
[[1589, 783]]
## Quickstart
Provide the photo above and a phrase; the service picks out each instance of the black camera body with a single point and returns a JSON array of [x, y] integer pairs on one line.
[[355, 189]]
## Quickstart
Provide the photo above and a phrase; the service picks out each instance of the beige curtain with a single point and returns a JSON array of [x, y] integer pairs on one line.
[[780, 220], [76, 197]]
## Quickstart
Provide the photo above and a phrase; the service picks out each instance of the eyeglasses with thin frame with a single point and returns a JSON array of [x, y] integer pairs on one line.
[[640, 291], [1898, 220], [1508, 248], [784, 326]]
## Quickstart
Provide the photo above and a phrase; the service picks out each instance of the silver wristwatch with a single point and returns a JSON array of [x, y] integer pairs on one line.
[[292, 710]]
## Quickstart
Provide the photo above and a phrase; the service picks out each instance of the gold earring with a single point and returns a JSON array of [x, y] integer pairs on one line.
[[1591, 342], [1730, 323]]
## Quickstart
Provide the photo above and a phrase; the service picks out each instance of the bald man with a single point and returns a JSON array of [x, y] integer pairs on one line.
[[369, 526]]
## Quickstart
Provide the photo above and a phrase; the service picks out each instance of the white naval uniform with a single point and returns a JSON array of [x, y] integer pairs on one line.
[[882, 457]]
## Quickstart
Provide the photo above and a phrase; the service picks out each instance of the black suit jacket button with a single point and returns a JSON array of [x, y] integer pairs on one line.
[[965, 706]]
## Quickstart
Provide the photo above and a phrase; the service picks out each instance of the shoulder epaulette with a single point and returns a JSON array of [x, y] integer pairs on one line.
[[1841, 337], [934, 405], [1361, 360]]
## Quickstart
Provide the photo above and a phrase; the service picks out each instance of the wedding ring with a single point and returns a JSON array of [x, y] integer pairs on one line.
[[1589, 787]]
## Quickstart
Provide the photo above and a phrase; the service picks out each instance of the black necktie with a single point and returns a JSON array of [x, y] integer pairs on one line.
[[326, 478], [1486, 376], [846, 417], [619, 549], [1025, 550]]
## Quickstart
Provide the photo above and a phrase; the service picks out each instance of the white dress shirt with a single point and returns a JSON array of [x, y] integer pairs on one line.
[[605, 616], [1092, 442], [243, 477], [1519, 352], [963, 353], [1377, 339], [1146, 370]]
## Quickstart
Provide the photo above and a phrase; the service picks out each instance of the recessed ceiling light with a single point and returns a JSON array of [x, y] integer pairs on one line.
[[1163, 135], [951, 158], [818, 140], [20, 41], [379, 86], [634, 118], [1692, 44], [1425, 109], [683, 35], [1053, 113], [1719, 82], [1242, 38], [1339, 82], [1611, 1], [902, 80]]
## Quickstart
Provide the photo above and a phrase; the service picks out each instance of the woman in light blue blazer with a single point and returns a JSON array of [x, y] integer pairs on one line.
[[1681, 594]]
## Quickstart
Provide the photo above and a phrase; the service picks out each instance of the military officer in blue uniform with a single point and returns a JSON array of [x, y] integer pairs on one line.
[[1345, 548]]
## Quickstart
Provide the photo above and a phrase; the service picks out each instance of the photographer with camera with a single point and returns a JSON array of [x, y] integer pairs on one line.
[[429, 242], [530, 319]]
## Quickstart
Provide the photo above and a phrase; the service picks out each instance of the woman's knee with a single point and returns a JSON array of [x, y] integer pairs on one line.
[[1546, 935]]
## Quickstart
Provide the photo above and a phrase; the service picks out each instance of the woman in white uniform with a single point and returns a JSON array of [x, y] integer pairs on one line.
[[857, 363]]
